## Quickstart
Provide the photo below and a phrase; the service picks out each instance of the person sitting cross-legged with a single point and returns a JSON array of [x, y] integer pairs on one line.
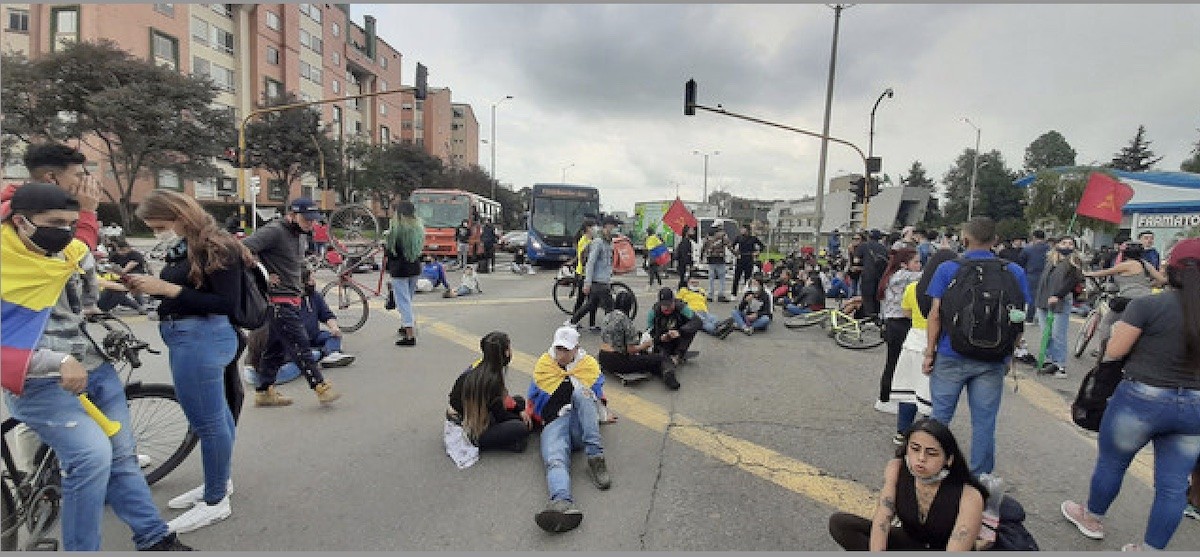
[[327, 343], [806, 298], [754, 311], [621, 349], [697, 300], [672, 326], [567, 393]]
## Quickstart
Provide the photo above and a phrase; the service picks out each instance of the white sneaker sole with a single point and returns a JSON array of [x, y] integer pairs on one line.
[[189, 499], [176, 528], [1093, 534]]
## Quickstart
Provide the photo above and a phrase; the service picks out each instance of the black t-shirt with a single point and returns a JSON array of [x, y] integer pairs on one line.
[[1159, 357], [133, 255], [874, 258]]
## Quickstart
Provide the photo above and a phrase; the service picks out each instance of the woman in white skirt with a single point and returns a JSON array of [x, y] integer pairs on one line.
[[910, 386]]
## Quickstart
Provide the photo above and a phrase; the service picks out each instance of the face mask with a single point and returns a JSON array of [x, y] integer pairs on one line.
[[166, 236], [310, 289], [1066, 251], [52, 239], [939, 476]]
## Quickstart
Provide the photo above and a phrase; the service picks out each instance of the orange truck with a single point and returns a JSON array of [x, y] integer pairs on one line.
[[443, 210]]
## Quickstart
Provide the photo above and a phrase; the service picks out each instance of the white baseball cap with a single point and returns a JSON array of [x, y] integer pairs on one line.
[[566, 337]]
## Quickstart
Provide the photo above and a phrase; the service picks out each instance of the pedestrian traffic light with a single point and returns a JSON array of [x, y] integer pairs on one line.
[[689, 98], [858, 187], [422, 82]]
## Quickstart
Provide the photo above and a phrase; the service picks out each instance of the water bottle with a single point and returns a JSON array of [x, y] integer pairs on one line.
[[991, 507]]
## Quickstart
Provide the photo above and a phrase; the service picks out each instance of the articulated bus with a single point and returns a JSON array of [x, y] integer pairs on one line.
[[444, 210], [556, 212]]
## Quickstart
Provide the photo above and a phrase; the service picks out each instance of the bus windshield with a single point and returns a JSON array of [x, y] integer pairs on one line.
[[561, 217], [442, 210]]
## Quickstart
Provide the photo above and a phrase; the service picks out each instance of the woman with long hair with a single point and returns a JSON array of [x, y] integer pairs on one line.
[[910, 385], [480, 402], [1157, 401], [405, 240], [930, 489], [199, 286], [1134, 278], [903, 268], [1064, 270]]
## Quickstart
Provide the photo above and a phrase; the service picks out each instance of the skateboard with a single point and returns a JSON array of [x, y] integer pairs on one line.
[[631, 378]]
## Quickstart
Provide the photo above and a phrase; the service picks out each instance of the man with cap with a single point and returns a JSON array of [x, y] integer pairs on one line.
[[47, 362], [871, 257], [567, 394], [597, 276], [278, 246], [672, 326]]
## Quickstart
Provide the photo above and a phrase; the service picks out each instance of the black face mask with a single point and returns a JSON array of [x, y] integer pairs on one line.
[[52, 239], [294, 227], [310, 289]]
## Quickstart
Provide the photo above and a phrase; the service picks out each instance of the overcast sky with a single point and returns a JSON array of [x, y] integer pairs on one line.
[[601, 86]]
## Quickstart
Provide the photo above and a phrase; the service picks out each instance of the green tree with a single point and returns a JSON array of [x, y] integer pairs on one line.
[[1054, 196], [995, 194], [1192, 163], [287, 142], [1049, 150], [143, 118], [1137, 156], [392, 171]]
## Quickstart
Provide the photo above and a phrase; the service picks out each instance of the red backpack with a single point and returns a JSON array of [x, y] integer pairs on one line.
[[624, 256]]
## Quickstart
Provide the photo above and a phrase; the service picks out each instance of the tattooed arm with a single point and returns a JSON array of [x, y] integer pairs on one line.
[[885, 509], [970, 517]]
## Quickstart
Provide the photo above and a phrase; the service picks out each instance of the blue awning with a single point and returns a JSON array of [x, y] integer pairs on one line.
[[1168, 179]]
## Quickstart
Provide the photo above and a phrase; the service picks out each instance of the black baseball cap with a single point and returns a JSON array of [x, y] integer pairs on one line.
[[306, 208], [39, 197], [613, 220]]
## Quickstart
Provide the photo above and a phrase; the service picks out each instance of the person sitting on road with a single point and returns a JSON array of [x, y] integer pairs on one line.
[[783, 285], [435, 272], [470, 284], [929, 488], [326, 343], [697, 300], [838, 287], [672, 326], [807, 298], [621, 348], [480, 402], [754, 311], [567, 392]]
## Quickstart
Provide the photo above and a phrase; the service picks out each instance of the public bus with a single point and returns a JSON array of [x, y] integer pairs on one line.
[[556, 211], [444, 210]]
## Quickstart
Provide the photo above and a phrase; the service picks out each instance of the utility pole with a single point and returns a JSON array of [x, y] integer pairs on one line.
[[974, 170], [837, 17]]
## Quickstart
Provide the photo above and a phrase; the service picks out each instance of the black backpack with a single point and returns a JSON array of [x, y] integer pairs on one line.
[[253, 306], [1094, 391], [975, 309], [1011, 534]]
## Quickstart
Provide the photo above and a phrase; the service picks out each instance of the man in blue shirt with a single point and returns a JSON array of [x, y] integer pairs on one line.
[[950, 372], [1149, 254], [1033, 260]]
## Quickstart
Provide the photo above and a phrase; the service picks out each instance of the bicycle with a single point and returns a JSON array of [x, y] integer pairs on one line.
[[1105, 291], [162, 434], [347, 297], [570, 286], [846, 331]]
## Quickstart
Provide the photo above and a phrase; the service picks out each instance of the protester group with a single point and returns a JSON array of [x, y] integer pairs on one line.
[[957, 311]]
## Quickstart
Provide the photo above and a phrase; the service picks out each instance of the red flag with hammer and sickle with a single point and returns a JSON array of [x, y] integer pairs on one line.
[[678, 215], [1103, 198]]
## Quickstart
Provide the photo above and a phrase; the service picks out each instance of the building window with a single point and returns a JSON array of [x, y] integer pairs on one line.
[[357, 127], [273, 89], [199, 30], [273, 21], [222, 77], [272, 56], [406, 106], [337, 59], [276, 190], [309, 41], [64, 26], [383, 62], [165, 9], [335, 29], [385, 135], [383, 85], [382, 109], [205, 188], [169, 180], [310, 72], [337, 86], [222, 40], [311, 11], [200, 66], [164, 49], [18, 20], [337, 115], [223, 9], [227, 185]]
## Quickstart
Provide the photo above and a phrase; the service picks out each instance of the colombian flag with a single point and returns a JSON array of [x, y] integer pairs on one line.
[[30, 285], [657, 250]]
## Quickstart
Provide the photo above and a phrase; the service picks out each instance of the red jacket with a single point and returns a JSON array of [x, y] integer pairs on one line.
[[87, 231]]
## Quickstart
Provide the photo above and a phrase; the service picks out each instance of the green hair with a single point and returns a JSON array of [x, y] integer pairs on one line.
[[408, 230]]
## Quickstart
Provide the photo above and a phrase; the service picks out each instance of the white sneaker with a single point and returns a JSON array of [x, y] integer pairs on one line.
[[889, 407], [201, 515], [337, 359], [144, 461], [189, 499]]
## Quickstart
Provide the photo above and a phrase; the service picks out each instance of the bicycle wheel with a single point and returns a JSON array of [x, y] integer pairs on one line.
[[1086, 332], [865, 335], [353, 230], [348, 303], [805, 320], [618, 287], [564, 293], [161, 431]]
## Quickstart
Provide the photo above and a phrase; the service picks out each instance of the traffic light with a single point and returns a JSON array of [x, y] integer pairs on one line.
[[858, 187], [872, 188], [689, 98], [422, 81]]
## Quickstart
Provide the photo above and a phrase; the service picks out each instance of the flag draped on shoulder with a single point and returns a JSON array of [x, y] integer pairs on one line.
[[657, 250], [30, 285], [1103, 198], [678, 216]]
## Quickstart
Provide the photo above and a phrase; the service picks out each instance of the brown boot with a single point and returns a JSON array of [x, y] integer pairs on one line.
[[270, 397], [325, 393]]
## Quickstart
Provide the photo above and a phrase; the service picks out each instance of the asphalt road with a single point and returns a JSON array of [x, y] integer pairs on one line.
[[768, 436]]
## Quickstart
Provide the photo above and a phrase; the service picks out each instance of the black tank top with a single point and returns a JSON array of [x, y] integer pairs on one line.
[[935, 532]]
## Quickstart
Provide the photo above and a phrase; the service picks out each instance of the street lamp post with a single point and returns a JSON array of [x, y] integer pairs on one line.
[[714, 153], [564, 172], [837, 18], [871, 140], [493, 143], [974, 170]]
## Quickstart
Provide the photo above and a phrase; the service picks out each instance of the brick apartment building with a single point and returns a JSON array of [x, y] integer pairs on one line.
[[248, 50]]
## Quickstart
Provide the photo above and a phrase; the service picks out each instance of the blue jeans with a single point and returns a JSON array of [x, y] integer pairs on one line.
[[97, 469], [199, 349], [760, 323], [579, 428], [324, 343], [794, 309], [1056, 351], [984, 382], [905, 416], [707, 321], [1138, 414], [716, 271], [403, 289]]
